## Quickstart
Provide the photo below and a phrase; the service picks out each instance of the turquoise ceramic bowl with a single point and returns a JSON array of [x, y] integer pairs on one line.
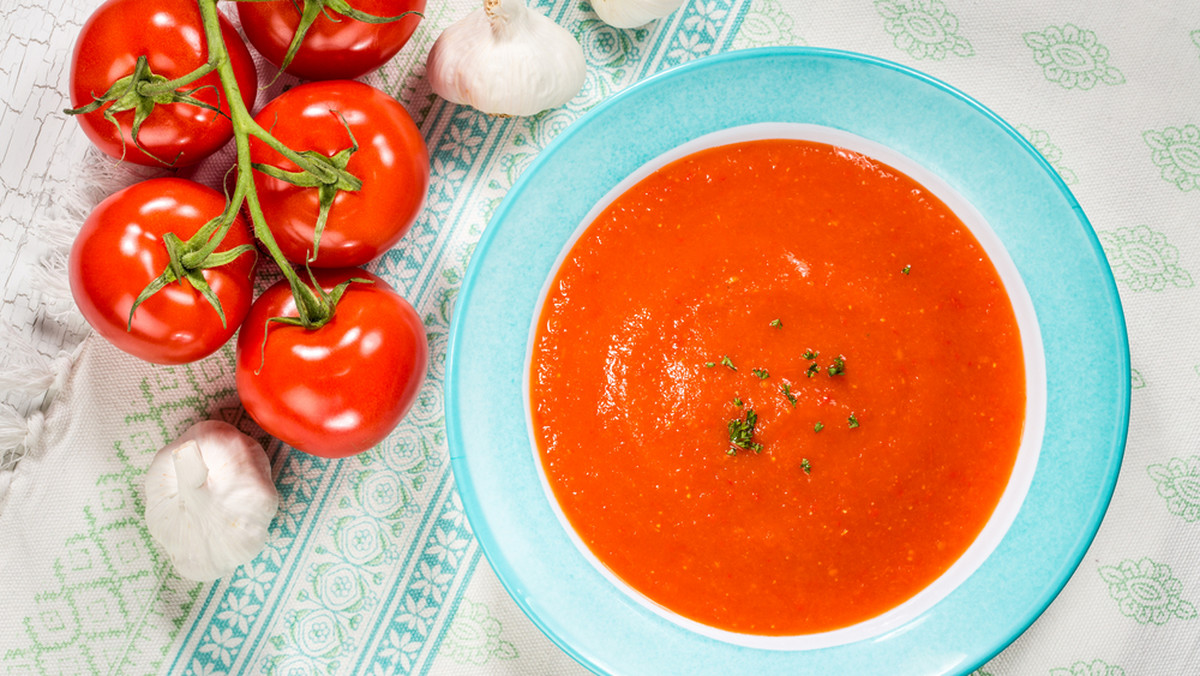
[[1040, 227]]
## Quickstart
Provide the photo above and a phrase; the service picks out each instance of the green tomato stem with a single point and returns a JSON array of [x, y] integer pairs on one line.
[[165, 87], [315, 306], [204, 243], [253, 128], [243, 123]]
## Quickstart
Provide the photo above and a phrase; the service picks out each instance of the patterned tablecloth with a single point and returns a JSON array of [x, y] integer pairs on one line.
[[371, 566]]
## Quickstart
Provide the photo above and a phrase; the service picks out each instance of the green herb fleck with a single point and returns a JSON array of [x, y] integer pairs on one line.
[[741, 433], [776, 323], [838, 367], [853, 421], [737, 401], [806, 465], [813, 370], [787, 392], [818, 427], [809, 354], [726, 361], [906, 269], [761, 373], [709, 364]]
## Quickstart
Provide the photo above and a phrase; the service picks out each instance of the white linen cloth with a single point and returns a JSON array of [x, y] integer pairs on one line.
[[371, 566]]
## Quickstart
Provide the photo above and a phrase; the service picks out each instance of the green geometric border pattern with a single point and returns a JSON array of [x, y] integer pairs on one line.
[[118, 595]]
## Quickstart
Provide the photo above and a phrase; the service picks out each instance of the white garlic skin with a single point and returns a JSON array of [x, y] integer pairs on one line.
[[633, 13], [505, 59], [210, 500]]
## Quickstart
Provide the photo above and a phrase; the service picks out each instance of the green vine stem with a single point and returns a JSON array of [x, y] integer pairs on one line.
[[315, 308]]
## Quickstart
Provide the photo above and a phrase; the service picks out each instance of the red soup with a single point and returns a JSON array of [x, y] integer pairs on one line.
[[777, 387]]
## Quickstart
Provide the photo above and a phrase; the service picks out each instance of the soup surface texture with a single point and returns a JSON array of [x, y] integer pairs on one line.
[[777, 387]]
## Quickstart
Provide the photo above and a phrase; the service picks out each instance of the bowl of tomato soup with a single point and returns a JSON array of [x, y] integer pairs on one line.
[[828, 373], [782, 392]]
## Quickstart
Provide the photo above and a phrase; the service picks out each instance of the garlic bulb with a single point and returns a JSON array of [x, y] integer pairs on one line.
[[210, 499], [633, 13], [505, 59]]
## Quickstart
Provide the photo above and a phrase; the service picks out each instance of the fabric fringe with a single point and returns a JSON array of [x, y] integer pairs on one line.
[[31, 380], [36, 366]]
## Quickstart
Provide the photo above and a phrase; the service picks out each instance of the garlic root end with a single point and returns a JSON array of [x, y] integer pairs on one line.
[[190, 470]]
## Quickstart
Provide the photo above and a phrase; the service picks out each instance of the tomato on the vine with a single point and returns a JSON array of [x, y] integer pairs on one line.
[[391, 160], [170, 35], [335, 47], [339, 389], [120, 250]]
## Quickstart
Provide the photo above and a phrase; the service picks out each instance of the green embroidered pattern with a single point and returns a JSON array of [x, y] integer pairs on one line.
[[610, 48], [1071, 58], [1143, 260], [924, 29], [1179, 484], [766, 24], [1147, 591], [474, 637], [1136, 380], [403, 81], [1176, 152], [115, 585], [1052, 153], [1093, 668]]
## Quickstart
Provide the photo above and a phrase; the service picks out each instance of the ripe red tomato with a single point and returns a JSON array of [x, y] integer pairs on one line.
[[340, 389], [119, 250], [169, 33], [392, 162], [335, 47]]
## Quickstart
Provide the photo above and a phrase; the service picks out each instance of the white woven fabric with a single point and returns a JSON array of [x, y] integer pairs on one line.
[[371, 566]]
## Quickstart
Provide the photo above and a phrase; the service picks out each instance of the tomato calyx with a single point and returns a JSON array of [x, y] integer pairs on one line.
[[315, 8], [314, 306], [187, 260], [325, 173], [141, 91]]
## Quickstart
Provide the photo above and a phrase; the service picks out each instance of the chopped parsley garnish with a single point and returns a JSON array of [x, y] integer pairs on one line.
[[838, 367], [806, 465], [776, 323], [741, 429], [741, 433], [709, 364], [906, 269], [787, 392]]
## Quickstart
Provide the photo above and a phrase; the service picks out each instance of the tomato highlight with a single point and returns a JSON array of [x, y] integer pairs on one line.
[[163, 35], [334, 45], [340, 389], [120, 250], [390, 158]]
